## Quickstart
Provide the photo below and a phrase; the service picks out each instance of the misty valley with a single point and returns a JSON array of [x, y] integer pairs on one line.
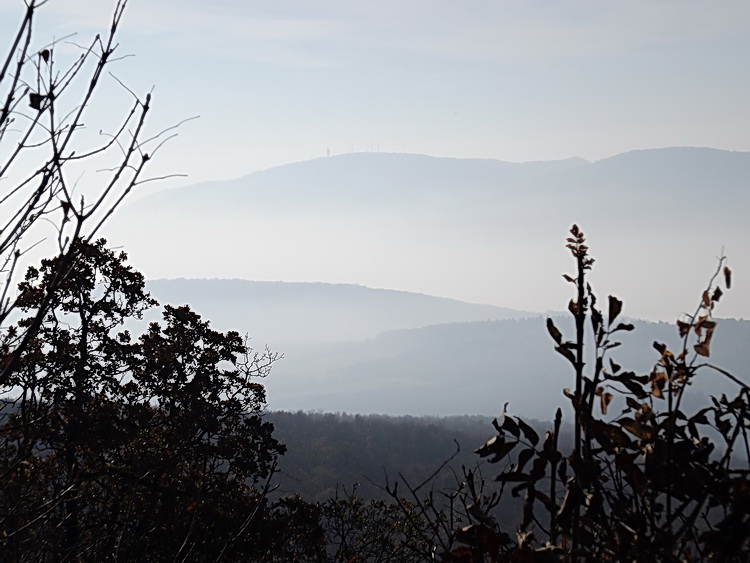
[[351, 349]]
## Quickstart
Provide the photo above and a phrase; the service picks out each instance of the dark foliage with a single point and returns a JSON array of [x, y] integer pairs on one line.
[[147, 448], [650, 483], [376, 531]]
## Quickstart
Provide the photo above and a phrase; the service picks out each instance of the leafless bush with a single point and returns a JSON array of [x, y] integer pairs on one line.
[[46, 141]]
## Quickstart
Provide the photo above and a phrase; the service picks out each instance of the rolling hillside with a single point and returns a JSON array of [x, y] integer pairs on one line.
[[355, 349]]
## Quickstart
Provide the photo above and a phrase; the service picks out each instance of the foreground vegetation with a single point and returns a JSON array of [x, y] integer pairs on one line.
[[154, 446], [120, 441]]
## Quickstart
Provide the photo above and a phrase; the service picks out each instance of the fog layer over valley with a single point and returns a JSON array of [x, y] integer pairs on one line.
[[359, 350]]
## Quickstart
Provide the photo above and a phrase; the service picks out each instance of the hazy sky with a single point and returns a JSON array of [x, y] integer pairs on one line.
[[277, 81]]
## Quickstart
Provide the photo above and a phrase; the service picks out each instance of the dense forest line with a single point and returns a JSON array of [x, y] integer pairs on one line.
[[330, 451]]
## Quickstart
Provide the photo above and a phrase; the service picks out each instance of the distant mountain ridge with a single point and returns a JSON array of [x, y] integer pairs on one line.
[[279, 313], [374, 175], [478, 230]]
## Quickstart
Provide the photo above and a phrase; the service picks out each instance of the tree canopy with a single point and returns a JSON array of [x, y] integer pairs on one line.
[[142, 448]]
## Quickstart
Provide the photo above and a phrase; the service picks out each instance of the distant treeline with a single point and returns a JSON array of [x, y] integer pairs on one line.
[[330, 451]]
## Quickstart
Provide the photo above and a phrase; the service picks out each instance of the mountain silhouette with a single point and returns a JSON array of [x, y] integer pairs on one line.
[[477, 230]]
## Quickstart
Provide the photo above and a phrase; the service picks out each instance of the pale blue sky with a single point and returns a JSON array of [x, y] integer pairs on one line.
[[280, 81]]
